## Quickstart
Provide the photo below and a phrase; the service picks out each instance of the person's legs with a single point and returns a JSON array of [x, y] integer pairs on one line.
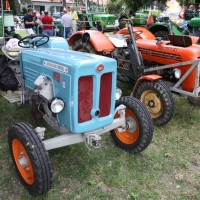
[[45, 32], [68, 32], [50, 32]]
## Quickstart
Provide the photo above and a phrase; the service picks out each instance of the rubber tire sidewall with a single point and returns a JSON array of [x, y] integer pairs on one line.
[[145, 125], [38, 157], [165, 95], [79, 45]]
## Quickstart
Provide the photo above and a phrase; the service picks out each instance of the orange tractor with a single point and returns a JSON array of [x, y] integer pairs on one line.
[[155, 67]]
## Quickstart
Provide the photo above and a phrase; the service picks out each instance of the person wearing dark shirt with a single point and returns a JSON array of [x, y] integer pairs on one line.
[[190, 13], [29, 22], [47, 30]]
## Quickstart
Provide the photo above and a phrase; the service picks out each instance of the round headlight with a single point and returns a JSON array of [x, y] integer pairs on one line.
[[57, 105], [118, 94], [9, 28], [177, 73]]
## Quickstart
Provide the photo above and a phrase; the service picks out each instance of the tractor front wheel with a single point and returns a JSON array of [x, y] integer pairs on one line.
[[30, 158], [158, 99], [139, 127]]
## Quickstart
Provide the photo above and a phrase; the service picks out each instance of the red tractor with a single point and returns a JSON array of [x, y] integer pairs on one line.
[[179, 56]]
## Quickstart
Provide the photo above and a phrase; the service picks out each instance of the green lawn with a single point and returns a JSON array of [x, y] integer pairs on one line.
[[168, 169]]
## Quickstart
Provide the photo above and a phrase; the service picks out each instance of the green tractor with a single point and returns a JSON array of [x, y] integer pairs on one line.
[[7, 26], [162, 25], [92, 14]]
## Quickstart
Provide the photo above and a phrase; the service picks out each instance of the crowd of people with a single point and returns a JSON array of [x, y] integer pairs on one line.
[[68, 21], [187, 13]]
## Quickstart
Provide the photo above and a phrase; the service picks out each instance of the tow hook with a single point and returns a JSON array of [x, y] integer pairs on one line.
[[93, 140]]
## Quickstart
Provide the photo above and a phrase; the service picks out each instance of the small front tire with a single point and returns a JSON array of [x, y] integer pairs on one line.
[[139, 129], [30, 158], [158, 99]]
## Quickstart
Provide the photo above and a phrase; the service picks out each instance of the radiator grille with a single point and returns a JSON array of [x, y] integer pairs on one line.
[[85, 98], [105, 94]]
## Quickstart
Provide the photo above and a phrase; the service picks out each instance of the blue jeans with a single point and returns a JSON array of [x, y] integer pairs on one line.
[[66, 32], [48, 32]]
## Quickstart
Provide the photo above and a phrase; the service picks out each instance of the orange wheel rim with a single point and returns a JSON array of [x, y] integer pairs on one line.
[[22, 161], [131, 134]]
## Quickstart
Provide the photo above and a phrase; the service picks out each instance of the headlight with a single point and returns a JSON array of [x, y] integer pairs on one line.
[[9, 29], [177, 73], [57, 105], [118, 94], [108, 23]]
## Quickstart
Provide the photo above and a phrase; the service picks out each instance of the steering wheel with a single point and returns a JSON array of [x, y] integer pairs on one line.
[[32, 41], [137, 33]]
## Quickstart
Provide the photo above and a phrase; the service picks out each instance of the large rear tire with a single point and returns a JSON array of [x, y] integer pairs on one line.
[[163, 34], [83, 47], [139, 129], [30, 158], [158, 99], [194, 101]]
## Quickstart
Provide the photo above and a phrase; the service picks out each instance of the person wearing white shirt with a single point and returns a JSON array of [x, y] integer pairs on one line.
[[66, 21]]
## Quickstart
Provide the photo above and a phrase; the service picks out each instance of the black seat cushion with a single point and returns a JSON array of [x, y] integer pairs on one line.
[[180, 40]]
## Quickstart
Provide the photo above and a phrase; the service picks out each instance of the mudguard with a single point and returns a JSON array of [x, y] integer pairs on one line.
[[145, 34], [151, 77], [99, 41]]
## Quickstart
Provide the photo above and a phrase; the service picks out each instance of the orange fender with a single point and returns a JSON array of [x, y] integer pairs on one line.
[[145, 34], [151, 77], [99, 41]]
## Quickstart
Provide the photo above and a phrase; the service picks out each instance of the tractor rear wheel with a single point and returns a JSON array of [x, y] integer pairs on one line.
[[163, 34], [158, 99], [139, 130], [83, 47], [30, 158], [123, 23], [194, 101]]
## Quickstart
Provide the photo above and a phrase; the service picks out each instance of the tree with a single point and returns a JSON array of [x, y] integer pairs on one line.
[[133, 5]]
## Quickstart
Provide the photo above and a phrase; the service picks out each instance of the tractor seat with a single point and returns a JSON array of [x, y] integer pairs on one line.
[[11, 53], [11, 49], [180, 40]]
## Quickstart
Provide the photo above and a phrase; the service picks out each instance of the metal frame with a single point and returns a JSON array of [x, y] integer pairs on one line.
[[72, 138], [176, 88]]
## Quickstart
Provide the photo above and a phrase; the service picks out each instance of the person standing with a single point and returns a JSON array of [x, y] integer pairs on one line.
[[29, 22], [190, 13], [47, 30], [74, 16], [66, 21]]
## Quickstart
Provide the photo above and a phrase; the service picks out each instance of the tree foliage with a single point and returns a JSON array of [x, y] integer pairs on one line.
[[133, 5]]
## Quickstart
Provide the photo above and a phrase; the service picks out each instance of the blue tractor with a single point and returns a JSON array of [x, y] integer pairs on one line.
[[74, 92]]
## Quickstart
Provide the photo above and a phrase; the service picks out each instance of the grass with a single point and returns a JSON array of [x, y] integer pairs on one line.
[[168, 169]]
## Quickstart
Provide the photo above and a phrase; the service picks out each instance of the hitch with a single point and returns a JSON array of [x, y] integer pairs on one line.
[[40, 132], [93, 140]]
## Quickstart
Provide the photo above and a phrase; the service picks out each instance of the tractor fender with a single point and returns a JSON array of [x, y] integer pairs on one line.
[[99, 41], [141, 32], [151, 77], [158, 27]]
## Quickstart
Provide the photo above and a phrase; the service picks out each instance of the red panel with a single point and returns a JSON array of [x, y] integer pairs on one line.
[[105, 94], [85, 98]]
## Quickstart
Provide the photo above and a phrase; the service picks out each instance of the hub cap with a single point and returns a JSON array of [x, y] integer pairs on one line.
[[152, 102]]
